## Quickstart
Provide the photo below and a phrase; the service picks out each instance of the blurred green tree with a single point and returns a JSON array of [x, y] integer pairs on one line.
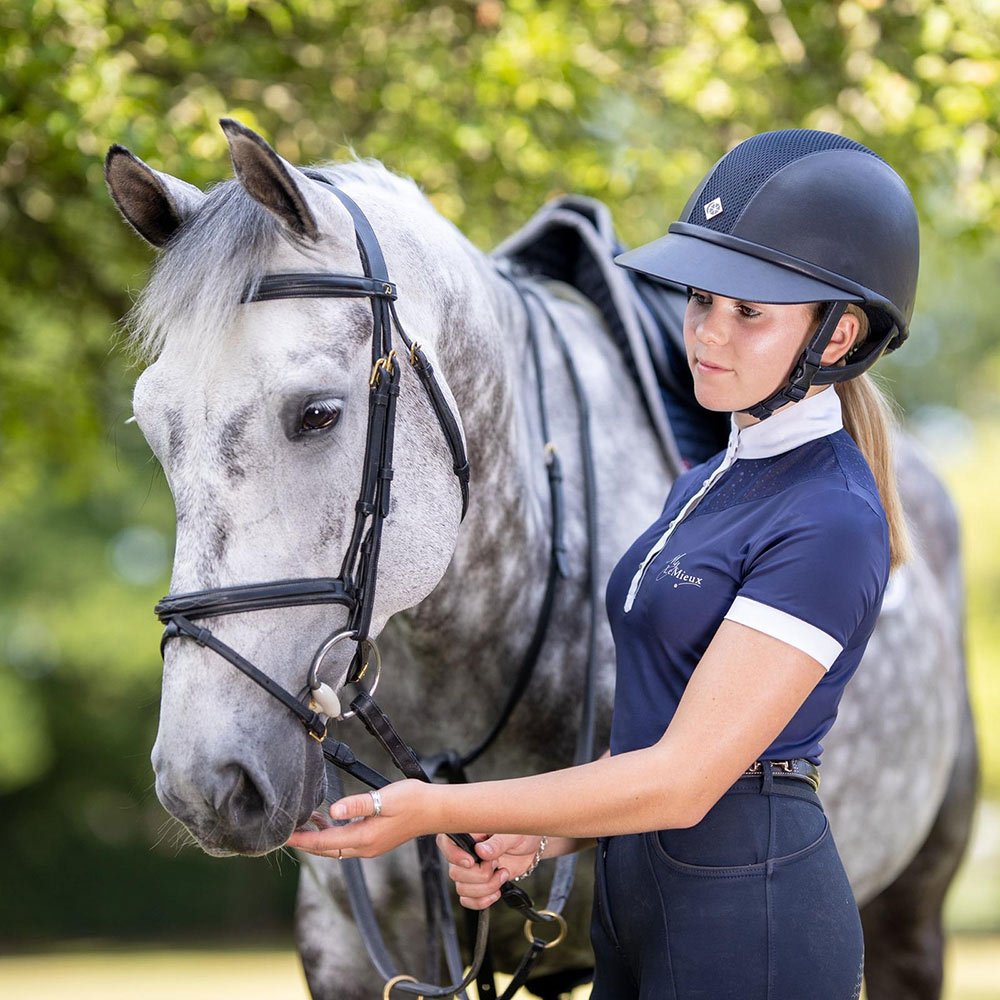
[[492, 107]]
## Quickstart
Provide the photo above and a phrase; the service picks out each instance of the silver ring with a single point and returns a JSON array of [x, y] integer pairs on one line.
[[313, 680], [376, 801]]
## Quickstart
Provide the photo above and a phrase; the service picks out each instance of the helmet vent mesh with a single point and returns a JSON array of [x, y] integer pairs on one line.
[[746, 168]]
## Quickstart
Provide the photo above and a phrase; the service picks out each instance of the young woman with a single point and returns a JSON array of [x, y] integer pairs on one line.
[[738, 616]]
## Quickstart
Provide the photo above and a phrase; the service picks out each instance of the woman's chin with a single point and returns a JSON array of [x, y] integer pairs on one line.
[[711, 398]]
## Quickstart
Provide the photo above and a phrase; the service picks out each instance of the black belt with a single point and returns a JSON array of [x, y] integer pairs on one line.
[[800, 769]]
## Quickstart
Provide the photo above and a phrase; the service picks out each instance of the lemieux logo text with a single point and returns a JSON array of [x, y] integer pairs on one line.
[[674, 570]]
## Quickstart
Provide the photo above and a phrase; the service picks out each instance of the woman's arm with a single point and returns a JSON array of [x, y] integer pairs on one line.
[[743, 692]]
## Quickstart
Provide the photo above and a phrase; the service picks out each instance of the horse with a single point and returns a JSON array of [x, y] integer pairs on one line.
[[257, 413]]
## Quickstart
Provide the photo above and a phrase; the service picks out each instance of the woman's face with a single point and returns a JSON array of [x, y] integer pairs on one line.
[[741, 352]]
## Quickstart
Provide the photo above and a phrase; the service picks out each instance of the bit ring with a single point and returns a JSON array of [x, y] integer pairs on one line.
[[313, 679]]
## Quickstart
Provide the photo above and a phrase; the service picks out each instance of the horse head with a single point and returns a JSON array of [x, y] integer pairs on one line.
[[258, 413]]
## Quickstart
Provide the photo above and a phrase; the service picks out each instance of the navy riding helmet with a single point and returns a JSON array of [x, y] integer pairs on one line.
[[799, 216]]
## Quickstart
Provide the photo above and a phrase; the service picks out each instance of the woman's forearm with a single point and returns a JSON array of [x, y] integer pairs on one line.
[[628, 793]]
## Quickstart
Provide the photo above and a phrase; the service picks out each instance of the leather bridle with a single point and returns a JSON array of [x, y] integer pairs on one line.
[[354, 588]]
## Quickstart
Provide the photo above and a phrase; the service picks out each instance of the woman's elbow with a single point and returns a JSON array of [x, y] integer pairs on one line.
[[691, 803], [691, 814]]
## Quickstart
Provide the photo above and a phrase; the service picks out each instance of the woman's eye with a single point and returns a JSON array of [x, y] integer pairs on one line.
[[700, 297], [747, 312], [319, 415]]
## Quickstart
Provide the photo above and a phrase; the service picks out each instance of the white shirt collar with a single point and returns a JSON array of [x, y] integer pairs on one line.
[[810, 418]]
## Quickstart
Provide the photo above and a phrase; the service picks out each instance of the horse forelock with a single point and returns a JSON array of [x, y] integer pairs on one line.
[[195, 291]]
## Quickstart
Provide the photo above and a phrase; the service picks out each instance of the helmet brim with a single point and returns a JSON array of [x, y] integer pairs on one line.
[[695, 263]]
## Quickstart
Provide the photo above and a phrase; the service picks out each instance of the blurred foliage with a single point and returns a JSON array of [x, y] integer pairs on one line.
[[971, 469], [492, 107]]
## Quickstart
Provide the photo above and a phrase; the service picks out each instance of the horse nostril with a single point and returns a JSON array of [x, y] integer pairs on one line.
[[237, 798]]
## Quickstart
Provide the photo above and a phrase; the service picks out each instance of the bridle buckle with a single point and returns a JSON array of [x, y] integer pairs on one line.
[[382, 364]]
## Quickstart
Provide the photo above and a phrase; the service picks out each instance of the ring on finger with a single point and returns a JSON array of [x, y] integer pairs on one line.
[[376, 801]]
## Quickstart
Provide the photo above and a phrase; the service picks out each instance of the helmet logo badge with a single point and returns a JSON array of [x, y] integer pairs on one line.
[[713, 208]]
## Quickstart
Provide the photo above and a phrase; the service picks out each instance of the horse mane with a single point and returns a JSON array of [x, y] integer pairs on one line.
[[198, 280]]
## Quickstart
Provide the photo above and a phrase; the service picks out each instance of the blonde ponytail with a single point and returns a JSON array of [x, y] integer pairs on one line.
[[869, 417]]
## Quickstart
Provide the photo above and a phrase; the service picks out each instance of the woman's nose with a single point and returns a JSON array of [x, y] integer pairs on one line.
[[710, 329]]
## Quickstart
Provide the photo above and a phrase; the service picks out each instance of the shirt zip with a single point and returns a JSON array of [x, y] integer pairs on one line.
[[727, 461]]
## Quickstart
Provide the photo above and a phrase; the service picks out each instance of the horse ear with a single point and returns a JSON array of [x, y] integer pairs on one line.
[[269, 179], [155, 205]]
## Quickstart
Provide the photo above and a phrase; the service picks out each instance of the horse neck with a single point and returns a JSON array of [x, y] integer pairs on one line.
[[485, 607]]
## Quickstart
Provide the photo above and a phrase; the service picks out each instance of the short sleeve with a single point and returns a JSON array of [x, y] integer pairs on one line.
[[818, 578]]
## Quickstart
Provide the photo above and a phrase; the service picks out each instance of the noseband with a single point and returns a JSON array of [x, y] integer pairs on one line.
[[355, 587]]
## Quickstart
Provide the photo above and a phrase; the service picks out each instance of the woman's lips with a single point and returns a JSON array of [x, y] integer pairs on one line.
[[706, 368]]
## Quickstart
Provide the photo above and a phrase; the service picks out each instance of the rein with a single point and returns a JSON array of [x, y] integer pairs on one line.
[[316, 704]]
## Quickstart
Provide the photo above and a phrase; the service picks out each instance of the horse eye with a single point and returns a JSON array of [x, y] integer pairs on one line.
[[319, 415]]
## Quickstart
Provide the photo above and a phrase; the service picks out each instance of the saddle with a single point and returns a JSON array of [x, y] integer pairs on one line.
[[572, 239]]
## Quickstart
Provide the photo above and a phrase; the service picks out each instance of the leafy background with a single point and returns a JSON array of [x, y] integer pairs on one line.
[[492, 107]]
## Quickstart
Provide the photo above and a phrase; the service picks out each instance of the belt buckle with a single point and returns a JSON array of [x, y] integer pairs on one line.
[[757, 767]]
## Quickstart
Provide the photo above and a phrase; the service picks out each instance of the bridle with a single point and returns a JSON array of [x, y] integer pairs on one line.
[[354, 588]]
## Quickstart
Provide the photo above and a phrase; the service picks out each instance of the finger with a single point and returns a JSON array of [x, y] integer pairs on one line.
[[459, 855], [345, 838], [454, 854], [308, 840], [475, 890], [353, 807], [500, 844], [477, 875]]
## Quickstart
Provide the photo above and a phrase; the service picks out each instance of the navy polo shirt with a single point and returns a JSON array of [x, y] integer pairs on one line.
[[783, 532]]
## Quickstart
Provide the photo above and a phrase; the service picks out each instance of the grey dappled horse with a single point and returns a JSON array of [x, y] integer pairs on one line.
[[257, 499]]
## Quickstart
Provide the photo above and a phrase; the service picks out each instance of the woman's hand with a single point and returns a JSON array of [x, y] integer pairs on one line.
[[504, 856], [405, 815]]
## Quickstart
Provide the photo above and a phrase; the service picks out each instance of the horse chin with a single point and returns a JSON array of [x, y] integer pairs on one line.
[[238, 814]]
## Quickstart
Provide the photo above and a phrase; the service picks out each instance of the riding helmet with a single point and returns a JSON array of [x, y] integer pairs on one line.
[[799, 216]]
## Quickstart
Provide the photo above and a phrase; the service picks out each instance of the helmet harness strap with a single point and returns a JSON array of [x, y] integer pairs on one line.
[[806, 368]]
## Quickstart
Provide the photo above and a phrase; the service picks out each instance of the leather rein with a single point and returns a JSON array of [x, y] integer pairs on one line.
[[315, 704]]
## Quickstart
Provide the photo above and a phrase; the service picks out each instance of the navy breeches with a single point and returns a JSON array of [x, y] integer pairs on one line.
[[751, 904]]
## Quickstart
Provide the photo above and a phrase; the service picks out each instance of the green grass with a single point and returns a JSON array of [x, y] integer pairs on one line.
[[102, 974]]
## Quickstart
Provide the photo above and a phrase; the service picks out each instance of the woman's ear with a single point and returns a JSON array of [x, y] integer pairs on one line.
[[843, 339]]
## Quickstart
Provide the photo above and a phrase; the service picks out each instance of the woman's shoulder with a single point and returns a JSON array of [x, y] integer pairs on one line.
[[837, 479]]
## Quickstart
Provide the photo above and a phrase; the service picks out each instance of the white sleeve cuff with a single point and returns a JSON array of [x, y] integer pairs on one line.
[[811, 640]]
